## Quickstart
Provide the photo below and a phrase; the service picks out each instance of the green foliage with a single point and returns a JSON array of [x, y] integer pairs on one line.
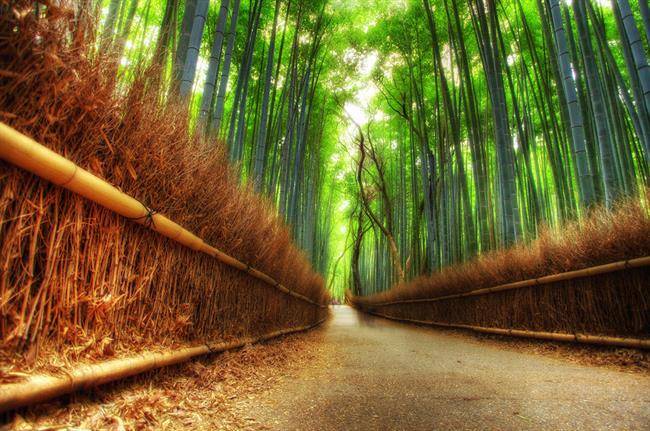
[[444, 104]]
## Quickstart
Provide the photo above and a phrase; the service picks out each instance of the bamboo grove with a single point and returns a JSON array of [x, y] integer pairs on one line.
[[490, 120], [250, 73], [399, 137]]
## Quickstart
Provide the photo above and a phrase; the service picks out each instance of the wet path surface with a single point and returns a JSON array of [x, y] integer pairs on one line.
[[380, 374]]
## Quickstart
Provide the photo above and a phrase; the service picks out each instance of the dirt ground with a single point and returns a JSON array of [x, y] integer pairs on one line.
[[361, 372]]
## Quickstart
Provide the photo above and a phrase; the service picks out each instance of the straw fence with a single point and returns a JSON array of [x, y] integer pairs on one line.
[[82, 276], [606, 304], [272, 296]]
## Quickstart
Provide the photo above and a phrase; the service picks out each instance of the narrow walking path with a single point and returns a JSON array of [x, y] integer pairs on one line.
[[386, 375], [359, 372]]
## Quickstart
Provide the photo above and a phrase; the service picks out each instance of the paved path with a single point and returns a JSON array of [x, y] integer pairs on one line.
[[382, 375]]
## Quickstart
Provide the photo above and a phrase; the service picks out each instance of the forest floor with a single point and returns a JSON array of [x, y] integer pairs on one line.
[[360, 372]]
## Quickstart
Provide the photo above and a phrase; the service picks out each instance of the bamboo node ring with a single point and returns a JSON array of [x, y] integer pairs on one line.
[[69, 180]]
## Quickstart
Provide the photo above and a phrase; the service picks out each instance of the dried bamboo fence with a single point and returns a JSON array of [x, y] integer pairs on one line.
[[28, 154], [606, 304], [80, 283], [32, 157]]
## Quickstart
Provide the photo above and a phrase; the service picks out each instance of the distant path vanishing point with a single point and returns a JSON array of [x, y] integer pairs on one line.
[[384, 375]]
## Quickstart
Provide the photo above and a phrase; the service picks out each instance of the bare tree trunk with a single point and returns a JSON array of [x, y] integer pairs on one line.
[[581, 157], [213, 66], [192, 56], [260, 148], [182, 45], [217, 116]]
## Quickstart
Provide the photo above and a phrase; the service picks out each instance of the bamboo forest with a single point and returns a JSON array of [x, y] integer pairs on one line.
[[450, 187], [412, 135]]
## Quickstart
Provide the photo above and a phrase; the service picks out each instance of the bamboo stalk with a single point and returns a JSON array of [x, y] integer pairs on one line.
[[638, 343], [28, 154], [570, 275], [37, 389]]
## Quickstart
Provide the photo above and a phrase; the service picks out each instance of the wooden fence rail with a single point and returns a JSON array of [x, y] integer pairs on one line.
[[637, 343]]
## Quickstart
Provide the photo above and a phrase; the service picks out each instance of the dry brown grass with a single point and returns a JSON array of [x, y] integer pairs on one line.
[[616, 303], [211, 393], [75, 277]]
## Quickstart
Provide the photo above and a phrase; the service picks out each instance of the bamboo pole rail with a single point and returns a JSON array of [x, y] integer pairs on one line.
[[570, 275], [39, 388], [31, 156], [638, 343]]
